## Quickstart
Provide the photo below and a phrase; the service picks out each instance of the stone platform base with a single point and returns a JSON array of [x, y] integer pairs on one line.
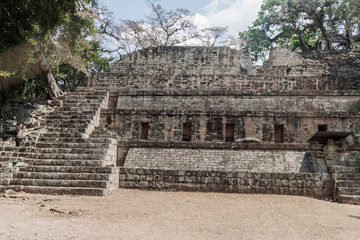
[[313, 185]]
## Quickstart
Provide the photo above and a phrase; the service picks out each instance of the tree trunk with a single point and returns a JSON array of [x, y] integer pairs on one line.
[[303, 44], [325, 35], [349, 41], [49, 80], [24, 89]]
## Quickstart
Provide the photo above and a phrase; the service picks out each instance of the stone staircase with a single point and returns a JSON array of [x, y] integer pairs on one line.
[[73, 155], [346, 175]]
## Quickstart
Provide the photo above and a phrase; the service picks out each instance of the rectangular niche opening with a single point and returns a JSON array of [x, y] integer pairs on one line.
[[144, 130], [279, 133], [229, 132], [186, 131], [322, 128]]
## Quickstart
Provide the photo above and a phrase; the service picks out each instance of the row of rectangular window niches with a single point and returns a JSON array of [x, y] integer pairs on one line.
[[229, 131]]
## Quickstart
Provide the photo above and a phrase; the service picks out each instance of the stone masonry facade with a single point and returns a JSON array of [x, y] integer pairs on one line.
[[206, 119]]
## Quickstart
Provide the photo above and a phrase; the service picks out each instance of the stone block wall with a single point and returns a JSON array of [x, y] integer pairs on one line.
[[314, 185], [6, 175], [285, 57], [296, 78], [231, 105], [217, 69], [9, 161], [224, 160], [181, 55], [147, 81]]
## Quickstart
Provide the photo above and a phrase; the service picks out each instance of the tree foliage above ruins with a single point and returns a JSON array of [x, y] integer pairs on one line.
[[49, 41], [305, 25]]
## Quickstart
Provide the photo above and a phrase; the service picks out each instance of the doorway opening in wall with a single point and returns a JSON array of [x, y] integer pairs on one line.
[[279, 133], [186, 131], [322, 128], [229, 132], [144, 130]]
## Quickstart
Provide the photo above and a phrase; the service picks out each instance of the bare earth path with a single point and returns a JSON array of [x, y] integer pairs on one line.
[[131, 214]]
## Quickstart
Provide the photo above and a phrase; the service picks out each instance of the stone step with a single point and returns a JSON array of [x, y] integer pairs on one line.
[[63, 135], [9, 154], [11, 159], [65, 121], [348, 183], [108, 88], [77, 111], [344, 169], [59, 190], [87, 89], [347, 176], [60, 183], [55, 150], [64, 125], [78, 108], [62, 162], [70, 169], [73, 113], [81, 103], [72, 145], [100, 132], [83, 100], [68, 117], [349, 199], [108, 139], [87, 93], [82, 96], [70, 127], [65, 156], [90, 99], [349, 191], [65, 176], [354, 163], [8, 149], [66, 132], [50, 140]]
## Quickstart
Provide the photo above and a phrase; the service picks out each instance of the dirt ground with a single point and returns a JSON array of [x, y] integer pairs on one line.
[[132, 214]]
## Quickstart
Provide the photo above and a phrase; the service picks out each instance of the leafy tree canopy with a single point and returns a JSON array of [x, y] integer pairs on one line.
[[23, 20], [305, 25], [57, 39]]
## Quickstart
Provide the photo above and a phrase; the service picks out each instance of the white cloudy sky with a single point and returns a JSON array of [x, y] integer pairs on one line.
[[235, 14]]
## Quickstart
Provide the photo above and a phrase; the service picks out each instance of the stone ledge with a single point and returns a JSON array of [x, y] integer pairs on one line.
[[222, 145], [231, 113], [195, 92]]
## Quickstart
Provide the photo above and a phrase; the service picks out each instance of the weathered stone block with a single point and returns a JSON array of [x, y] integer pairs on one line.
[[318, 184], [310, 184], [143, 184], [263, 182], [292, 184], [122, 177]]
